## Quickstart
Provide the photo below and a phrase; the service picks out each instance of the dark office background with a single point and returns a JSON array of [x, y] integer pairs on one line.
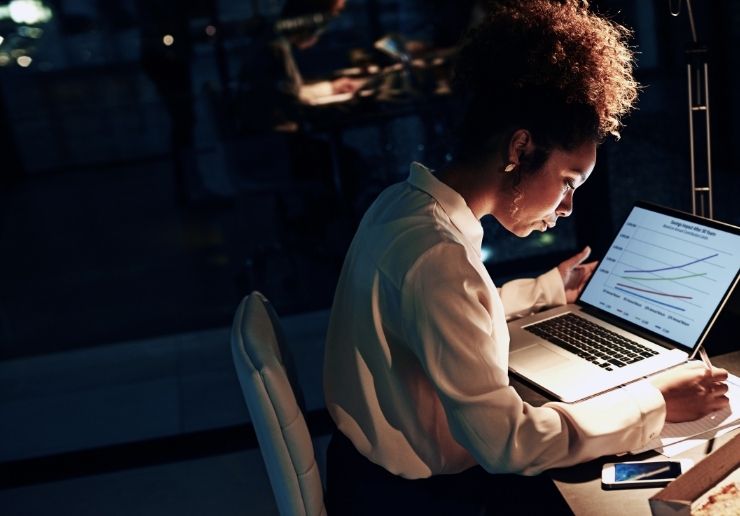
[[98, 245], [107, 235]]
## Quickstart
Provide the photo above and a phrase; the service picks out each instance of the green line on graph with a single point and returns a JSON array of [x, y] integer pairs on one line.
[[655, 279]]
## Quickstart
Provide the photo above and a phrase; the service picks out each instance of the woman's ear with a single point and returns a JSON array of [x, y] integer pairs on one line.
[[520, 144]]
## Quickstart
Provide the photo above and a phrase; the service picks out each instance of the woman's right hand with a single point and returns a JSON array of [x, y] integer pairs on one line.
[[692, 391], [346, 85]]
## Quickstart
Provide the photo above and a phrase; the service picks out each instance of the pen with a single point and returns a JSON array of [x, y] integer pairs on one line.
[[709, 447], [705, 358]]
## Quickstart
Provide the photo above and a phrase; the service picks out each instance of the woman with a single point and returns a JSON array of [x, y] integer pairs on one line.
[[416, 360]]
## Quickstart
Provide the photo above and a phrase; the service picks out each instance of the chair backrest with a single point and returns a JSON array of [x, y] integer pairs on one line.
[[260, 358]]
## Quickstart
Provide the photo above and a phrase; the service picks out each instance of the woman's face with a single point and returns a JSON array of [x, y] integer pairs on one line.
[[546, 194]]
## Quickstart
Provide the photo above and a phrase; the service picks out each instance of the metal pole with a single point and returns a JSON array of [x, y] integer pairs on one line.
[[691, 21], [696, 65], [701, 196], [691, 139], [709, 141]]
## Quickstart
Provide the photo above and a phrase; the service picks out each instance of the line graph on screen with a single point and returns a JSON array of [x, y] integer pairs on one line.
[[661, 269]]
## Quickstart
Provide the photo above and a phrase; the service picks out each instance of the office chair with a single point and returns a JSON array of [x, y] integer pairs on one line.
[[266, 374]]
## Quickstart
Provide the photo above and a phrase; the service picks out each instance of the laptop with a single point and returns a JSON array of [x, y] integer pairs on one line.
[[647, 307]]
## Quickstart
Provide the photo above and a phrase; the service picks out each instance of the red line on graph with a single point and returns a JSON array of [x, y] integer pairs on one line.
[[653, 291]]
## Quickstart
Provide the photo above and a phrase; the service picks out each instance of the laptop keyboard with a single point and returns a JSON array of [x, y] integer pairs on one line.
[[590, 341]]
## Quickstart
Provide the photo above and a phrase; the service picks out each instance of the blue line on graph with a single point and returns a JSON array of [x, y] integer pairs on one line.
[[678, 266], [651, 300]]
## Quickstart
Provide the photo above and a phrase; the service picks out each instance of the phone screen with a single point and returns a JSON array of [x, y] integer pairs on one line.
[[631, 472]]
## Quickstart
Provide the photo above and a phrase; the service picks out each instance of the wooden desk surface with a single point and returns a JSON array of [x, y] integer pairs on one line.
[[581, 485]]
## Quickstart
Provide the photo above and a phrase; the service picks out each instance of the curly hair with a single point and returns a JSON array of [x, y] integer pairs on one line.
[[552, 67]]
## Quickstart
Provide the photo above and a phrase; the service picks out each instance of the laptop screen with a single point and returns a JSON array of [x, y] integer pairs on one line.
[[667, 272]]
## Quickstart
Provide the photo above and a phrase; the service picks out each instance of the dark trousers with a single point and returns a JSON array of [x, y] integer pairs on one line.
[[358, 487]]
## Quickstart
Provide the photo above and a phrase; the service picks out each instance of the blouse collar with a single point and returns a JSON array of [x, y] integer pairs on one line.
[[451, 202]]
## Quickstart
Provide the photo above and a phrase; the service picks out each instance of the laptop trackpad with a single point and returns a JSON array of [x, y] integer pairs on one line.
[[536, 358]]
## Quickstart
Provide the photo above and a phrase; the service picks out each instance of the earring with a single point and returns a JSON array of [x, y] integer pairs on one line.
[[510, 167]]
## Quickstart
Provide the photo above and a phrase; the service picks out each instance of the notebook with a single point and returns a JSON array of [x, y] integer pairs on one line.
[[647, 307]]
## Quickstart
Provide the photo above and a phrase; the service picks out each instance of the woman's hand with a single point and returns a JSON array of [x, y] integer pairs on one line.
[[346, 85], [692, 391], [575, 274]]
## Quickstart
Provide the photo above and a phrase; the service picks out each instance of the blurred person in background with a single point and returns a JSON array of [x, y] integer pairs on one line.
[[271, 86]]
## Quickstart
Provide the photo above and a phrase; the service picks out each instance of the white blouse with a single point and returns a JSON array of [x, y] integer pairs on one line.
[[416, 364]]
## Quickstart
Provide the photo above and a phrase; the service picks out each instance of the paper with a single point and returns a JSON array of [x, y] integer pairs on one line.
[[675, 432], [674, 449], [331, 99]]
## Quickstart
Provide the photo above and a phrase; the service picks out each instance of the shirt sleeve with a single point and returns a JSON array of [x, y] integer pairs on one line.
[[525, 296], [450, 316]]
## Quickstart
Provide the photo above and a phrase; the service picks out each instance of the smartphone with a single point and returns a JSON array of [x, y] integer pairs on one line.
[[625, 475]]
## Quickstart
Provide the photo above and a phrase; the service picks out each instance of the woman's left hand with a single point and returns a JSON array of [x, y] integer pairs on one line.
[[575, 274]]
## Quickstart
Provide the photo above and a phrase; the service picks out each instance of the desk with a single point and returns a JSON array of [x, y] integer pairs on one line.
[[432, 105], [581, 485]]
